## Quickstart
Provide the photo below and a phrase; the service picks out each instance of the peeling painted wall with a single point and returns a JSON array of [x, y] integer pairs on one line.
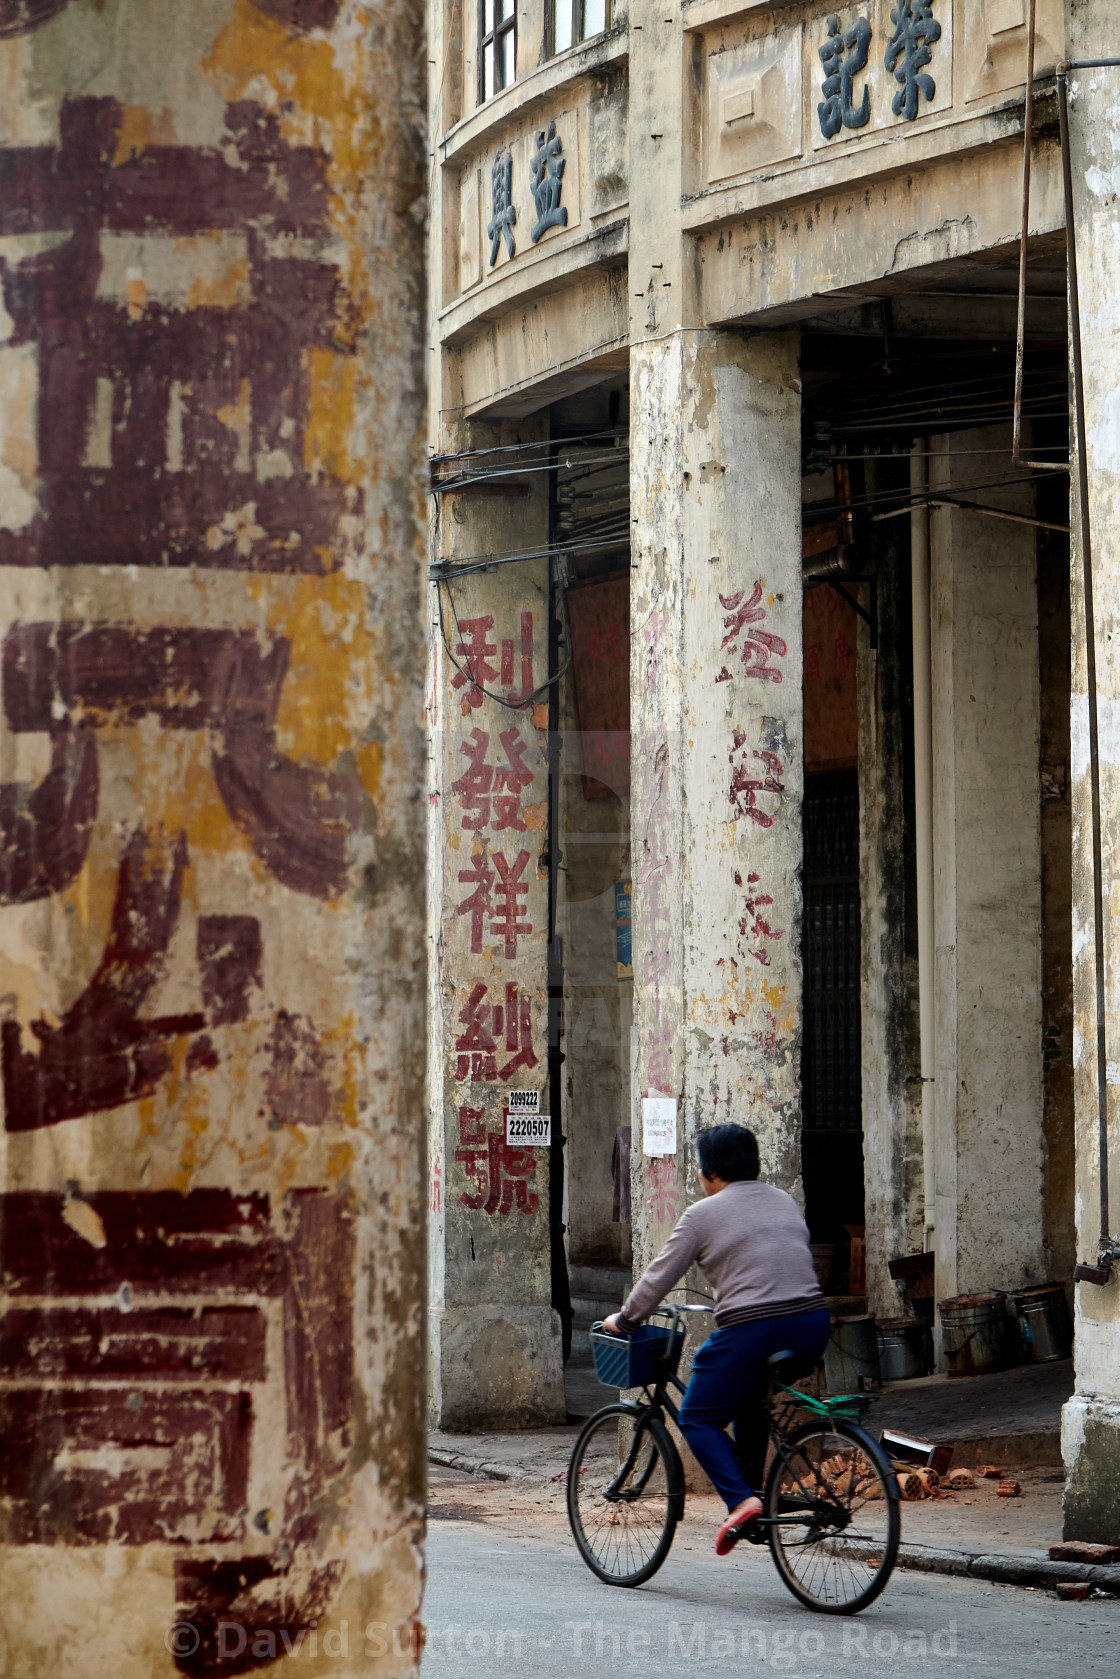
[[1091, 1423], [716, 704], [210, 864], [988, 1137], [494, 1338]]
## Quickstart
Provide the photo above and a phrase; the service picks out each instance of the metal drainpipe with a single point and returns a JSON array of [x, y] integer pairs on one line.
[[1108, 1250], [561, 1288], [923, 807], [1021, 326]]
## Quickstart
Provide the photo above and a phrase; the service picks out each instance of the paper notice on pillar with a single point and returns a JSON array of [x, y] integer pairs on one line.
[[523, 1101], [528, 1130], [659, 1125]]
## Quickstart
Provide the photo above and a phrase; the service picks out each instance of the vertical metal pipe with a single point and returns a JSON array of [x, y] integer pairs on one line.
[[1090, 646], [557, 1175], [1021, 335], [923, 802]]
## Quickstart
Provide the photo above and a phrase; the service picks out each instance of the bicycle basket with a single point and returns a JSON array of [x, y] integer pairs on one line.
[[628, 1361]]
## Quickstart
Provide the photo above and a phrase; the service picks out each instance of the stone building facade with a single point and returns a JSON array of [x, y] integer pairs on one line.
[[211, 837], [747, 619]]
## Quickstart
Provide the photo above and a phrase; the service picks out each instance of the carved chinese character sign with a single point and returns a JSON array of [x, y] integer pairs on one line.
[[546, 176], [908, 52], [843, 56], [503, 214]]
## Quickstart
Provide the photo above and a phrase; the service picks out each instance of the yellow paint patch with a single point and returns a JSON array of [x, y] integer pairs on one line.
[[536, 817], [331, 418], [137, 296], [149, 1123], [339, 1161], [320, 99], [324, 703], [187, 801], [235, 415], [370, 762], [188, 1100], [343, 1057], [88, 905], [139, 129]]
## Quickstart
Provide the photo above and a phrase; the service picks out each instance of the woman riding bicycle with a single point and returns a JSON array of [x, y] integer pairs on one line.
[[752, 1244]]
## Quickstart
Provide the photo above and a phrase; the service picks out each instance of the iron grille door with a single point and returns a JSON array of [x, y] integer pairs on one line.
[[830, 1064]]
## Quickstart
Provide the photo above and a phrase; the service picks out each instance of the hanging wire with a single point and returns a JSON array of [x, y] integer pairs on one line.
[[825, 511], [467, 673]]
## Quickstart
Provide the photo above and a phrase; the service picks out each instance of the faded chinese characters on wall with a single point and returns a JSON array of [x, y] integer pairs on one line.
[[757, 761], [494, 876], [188, 665]]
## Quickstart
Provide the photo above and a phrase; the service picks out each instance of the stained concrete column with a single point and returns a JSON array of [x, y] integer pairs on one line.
[[495, 1349], [892, 1141], [211, 837], [988, 1135], [1091, 1422], [716, 721]]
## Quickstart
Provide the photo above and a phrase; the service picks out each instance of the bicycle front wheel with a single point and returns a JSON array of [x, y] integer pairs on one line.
[[625, 1494], [833, 1500]]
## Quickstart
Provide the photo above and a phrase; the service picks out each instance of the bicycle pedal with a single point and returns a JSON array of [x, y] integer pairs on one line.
[[752, 1532]]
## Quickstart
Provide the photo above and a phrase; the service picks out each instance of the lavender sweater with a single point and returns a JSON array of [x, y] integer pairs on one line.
[[752, 1245]]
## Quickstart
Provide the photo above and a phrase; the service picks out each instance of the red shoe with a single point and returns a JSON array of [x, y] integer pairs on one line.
[[731, 1532]]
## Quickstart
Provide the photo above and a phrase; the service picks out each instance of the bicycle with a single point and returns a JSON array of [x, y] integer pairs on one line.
[[830, 1503]]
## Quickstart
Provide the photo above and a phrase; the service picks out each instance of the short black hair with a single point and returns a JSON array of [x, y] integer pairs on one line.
[[729, 1152]]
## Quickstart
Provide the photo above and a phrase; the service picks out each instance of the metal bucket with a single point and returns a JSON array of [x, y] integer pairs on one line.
[[1044, 1325], [851, 1359], [976, 1334], [903, 1349]]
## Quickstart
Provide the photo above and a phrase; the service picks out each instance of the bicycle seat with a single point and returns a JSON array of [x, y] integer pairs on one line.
[[790, 1367]]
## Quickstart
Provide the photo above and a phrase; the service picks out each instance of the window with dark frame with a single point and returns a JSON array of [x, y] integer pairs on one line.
[[497, 54], [577, 20]]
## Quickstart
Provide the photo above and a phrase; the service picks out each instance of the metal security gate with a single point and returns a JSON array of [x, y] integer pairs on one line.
[[830, 876], [832, 1117]]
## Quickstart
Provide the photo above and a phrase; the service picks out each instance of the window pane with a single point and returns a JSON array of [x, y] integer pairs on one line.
[[488, 71], [487, 17], [507, 46], [505, 8], [561, 25], [594, 17]]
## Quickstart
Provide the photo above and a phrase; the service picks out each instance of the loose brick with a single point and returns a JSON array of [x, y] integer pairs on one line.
[[1079, 1550]]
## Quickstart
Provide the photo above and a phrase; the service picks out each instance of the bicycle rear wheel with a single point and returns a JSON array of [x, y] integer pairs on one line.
[[625, 1494], [834, 1493]]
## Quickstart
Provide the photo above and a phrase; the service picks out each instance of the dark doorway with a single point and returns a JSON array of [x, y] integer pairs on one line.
[[832, 1129]]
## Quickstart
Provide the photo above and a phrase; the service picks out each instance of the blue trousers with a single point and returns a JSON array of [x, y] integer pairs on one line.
[[728, 1386]]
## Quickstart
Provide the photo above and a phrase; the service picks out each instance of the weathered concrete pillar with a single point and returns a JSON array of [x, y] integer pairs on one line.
[[211, 836], [892, 1141], [988, 1137], [1091, 1422], [716, 715], [495, 1340]]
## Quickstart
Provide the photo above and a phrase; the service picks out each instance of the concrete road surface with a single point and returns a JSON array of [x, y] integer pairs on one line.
[[513, 1597]]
